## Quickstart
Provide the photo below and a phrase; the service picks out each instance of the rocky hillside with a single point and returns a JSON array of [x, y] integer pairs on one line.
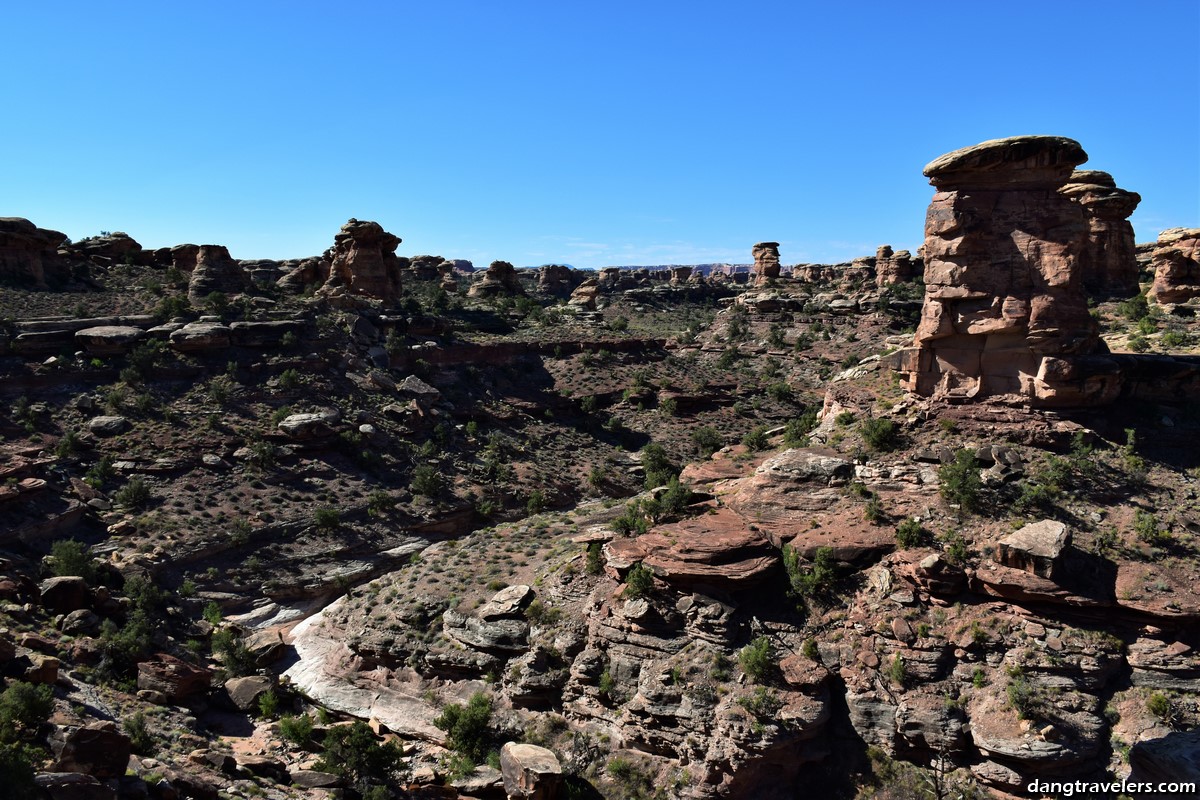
[[374, 525]]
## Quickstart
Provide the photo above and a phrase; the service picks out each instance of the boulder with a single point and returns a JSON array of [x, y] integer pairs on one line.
[[175, 679], [530, 772], [73, 786], [585, 295], [65, 594], [98, 749], [307, 426], [108, 425], [108, 340], [245, 692], [894, 267], [200, 336], [1171, 758], [1036, 548]]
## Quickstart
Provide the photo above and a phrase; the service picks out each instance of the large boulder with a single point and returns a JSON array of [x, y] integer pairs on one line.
[[98, 749], [65, 594], [1037, 548], [174, 679], [530, 772], [108, 340]]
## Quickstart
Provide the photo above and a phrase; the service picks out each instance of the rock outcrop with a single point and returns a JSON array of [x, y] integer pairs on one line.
[[363, 262], [1005, 310], [500, 278], [892, 267], [1109, 259], [215, 271], [555, 279], [1176, 265], [766, 262], [29, 255]]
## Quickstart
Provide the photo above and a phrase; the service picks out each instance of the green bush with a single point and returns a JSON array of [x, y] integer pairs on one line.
[[639, 581], [959, 481], [24, 707], [898, 671], [910, 533], [815, 581], [297, 730], [426, 480], [757, 659], [327, 518], [17, 769], [795, 433], [139, 735], [707, 440], [236, 658], [353, 752], [881, 435], [268, 704], [289, 379], [133, 495], [756, 439], [69, 557], [595, 559], [467, 726]]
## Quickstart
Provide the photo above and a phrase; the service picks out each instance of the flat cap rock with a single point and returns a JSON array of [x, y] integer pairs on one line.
[[1014, 162]]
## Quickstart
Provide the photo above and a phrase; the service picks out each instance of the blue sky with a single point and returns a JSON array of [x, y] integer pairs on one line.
[[581, 133]]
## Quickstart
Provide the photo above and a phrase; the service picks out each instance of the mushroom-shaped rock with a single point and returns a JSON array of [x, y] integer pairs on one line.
[[363, 262], [766, 262], [215, 271], [530, 772]]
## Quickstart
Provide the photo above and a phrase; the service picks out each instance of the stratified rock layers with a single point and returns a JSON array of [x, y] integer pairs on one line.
[[1005, 310]]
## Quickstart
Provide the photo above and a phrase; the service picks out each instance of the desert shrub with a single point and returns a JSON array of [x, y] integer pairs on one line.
[[17, 769], [139, 735], [873, 511], [815, 581], [707, 440], [910, 533], [1135, 308], [426, 480], [595, 559], [289, 379], [897, 671], [756, 439], [467, 726], [1162, 708], [70, 557], [757, 659], [235, 656], [353, 752], [24, 707], [538, 613], [327, 518], [795, 433], [639, 581], [133, 495], [959, 481], [881, 435], [536, 503], [297, 730], [1024, 697], [1145, 525]]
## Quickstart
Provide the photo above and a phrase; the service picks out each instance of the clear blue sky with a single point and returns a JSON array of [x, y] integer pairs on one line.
[[582, 133]]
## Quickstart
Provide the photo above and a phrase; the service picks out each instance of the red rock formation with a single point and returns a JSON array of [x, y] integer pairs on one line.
[[363, 262], [215, 271], [29, 255], [892, 268], [555, 279], [1109, 259], [766, 262], [499, 279], [1005, 310], [1176, 263]]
